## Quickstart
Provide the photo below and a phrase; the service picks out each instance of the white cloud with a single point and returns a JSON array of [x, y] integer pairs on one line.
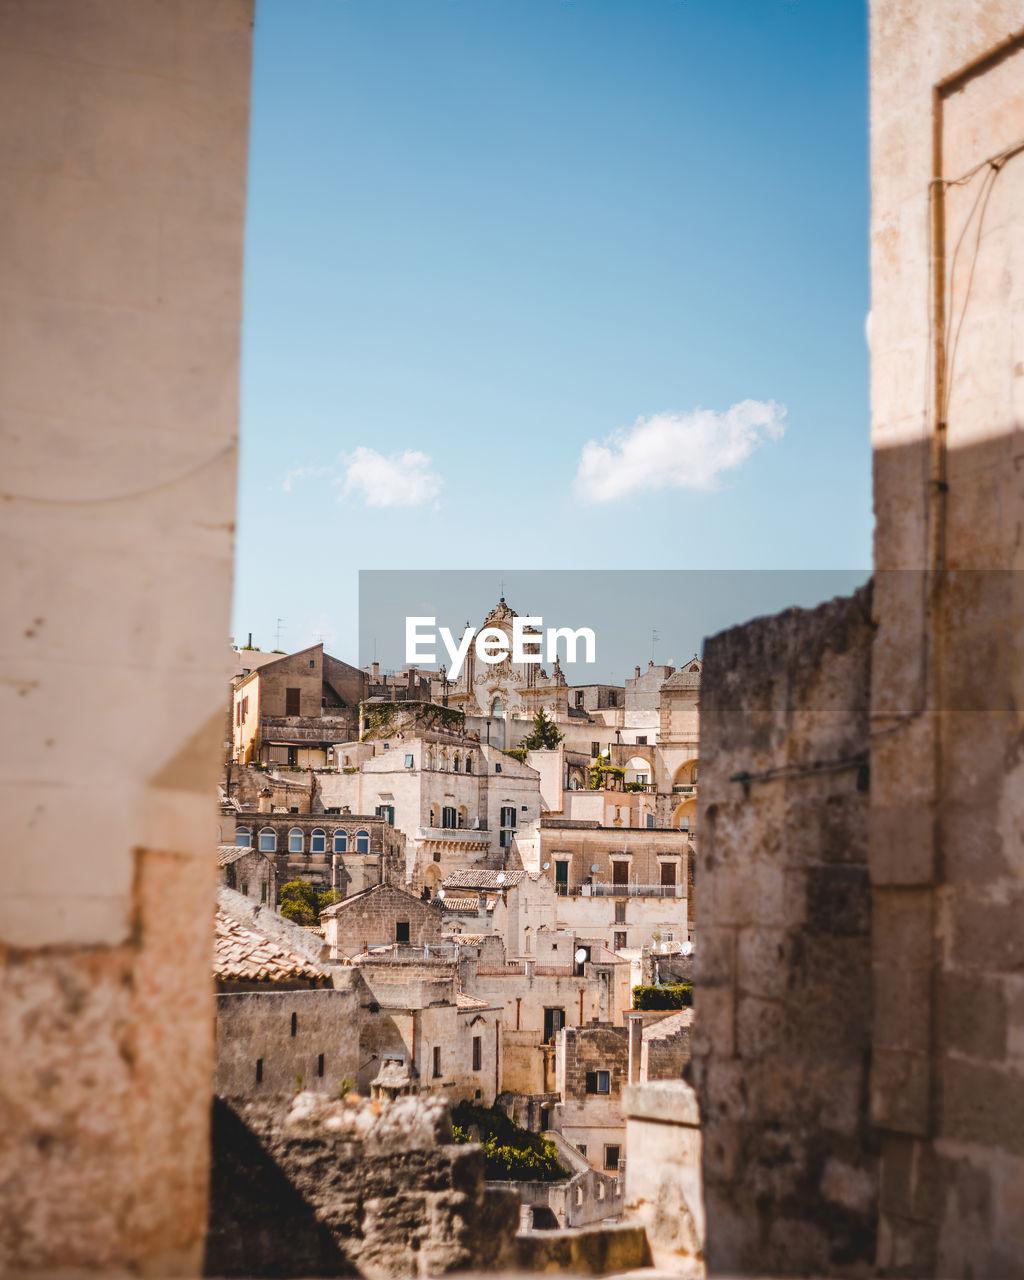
[[676, 450], [392, 480], [301, 473]]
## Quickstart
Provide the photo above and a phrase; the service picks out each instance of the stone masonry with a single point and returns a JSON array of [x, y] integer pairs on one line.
[[315, 1187], [781, 1036]]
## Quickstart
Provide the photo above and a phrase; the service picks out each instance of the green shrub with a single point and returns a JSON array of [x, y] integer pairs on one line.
[[675, 995], [511, 1154]]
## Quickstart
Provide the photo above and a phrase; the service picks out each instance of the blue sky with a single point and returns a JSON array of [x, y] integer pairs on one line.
[[568, 284]]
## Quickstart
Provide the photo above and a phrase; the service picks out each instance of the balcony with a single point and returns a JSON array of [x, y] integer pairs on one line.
[[303, 730], [622, 890]]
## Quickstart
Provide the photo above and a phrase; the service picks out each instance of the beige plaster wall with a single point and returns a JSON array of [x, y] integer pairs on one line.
[[947, 339], [122, 185]]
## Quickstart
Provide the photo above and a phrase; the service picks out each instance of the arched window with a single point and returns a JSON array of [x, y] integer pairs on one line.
[[362, 842], [341, 842], [433, 817], [268, 840], [243, 837], [318, 841], [497, 709], [295, 841], [430, 760], [462, 815], [469, 764], [456, 763]]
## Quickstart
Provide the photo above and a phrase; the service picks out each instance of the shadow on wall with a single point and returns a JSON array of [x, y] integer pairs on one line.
[[243, 1240]]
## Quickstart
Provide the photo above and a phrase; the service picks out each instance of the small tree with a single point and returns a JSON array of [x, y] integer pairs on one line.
[[543, 736], [300, 902]]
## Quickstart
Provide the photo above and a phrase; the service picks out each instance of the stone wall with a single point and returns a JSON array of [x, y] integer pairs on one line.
[[782, 1028], [123, 149], [947, 230], [312, 1187], [255, 1027]]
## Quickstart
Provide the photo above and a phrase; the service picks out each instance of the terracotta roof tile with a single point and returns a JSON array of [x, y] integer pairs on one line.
[[242, 955]]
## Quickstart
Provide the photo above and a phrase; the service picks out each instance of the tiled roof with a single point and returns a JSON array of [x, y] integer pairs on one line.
[[668, 1027], [470, 1002], [242, 955], [230, 853], [458, 902], [482, 879]]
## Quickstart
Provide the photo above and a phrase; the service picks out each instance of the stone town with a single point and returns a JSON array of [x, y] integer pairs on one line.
[[496, 862], [854, 1100]]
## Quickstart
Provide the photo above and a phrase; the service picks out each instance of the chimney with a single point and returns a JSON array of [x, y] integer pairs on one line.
[[375, 671], [250, 639], [265, 797], [637, 673]]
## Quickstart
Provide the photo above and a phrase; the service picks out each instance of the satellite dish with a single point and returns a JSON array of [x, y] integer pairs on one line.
[[440, 894], [500, 878], [595, 868], [546, 866], [581, 955], [687, 948]]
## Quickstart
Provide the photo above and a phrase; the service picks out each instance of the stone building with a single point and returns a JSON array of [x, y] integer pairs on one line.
[[377, 917], [248, 871], [591, 1065], [293, 711], [281, 1016]]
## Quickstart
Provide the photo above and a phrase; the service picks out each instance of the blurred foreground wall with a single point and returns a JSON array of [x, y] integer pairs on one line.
[[123, 139]]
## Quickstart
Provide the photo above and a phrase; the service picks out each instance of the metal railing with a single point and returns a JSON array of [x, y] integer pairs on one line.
[[627, 890]]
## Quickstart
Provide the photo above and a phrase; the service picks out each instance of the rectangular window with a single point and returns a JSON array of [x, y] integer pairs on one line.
[[641, 741], [650, 819], [581, 1147], [401, 930], [508, 815], [245, 709], [580, 965], [620, 874], [505, 838], [387, 812], [437, 1062], [259, 1070], [245, 888], [478, 1053], [613, 698], [598, 1082], [292, 701], [408, 761], [620, 911], [312, 664], [620, 941], [293, 758], [668, 873], [449, 818], [497, 768], [562, 878], [263, 891], [611, 1157], [554, 1021], [579, 698], [595, 749], [320, 1059]]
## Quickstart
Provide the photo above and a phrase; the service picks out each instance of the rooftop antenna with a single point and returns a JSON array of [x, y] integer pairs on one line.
[[277, 633], [654, 640], [501, 589]]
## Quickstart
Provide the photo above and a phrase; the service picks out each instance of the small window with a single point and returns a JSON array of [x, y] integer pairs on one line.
[[595, 749], [268, 841], [362, 842], [497, 768], [387, 812], [312, 664], [613, 698], [505, 839], [611, 1157], [478, 1053], [295, 1023], [259, 1070], [554, 1021], [245, 888], [580, 698], [243, 838], [296, 844], [318, 841], [409, 760], [401, 930], [437, 855], [387, 746], [437, 1062], [469, 764], [650, 819], [320, 1065], [620, 910], [581, 1147], [292, 701], [263, 891], [598, 1082], [641, 740], [620, 942]]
